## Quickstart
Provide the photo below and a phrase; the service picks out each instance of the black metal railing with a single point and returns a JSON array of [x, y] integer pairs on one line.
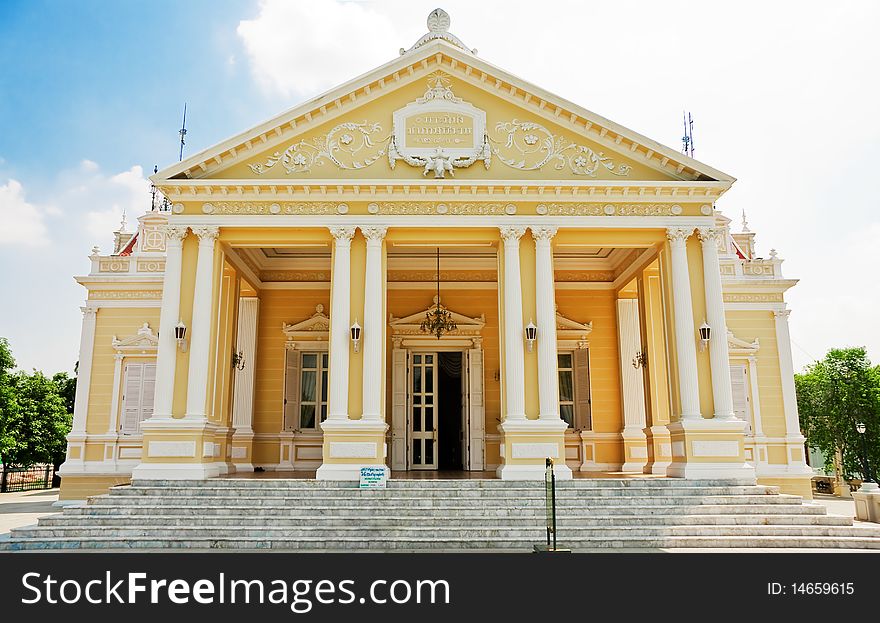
[[550, 498], [26, 478], [550, 504]]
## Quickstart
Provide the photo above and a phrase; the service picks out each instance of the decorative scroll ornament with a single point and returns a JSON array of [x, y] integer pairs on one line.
[[347, 145], [439, 131], [529, 146]]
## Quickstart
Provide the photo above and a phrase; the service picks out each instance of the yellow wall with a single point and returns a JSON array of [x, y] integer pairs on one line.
[[748, 325], [277, 307], [598, 307], [110, 322]]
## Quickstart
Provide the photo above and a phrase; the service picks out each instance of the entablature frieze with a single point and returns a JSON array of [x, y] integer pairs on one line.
[[374, 196]]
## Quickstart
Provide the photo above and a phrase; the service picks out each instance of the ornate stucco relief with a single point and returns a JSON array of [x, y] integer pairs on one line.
[[439, 132], [753, 298]]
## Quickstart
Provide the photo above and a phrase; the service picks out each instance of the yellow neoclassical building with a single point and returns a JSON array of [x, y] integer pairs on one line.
[[436, 266]]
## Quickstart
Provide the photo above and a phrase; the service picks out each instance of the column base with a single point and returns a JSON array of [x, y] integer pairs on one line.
[[867, 500], [659, 450], [179, 449], [635, 450], [709, 449], [526, 447], [350, 445]]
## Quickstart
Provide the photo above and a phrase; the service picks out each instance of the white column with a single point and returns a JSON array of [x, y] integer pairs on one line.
[[786, 370], [755, 397], [545, 308], [374, 324], [514, 352], [340, 310], [200, 342], [169, 316], [243, 392], [719, 357], [84, 370], [685, 331]]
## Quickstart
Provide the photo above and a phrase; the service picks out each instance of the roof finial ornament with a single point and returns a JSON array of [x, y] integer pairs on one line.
[[438, 28], [123, 224], [745, 223], [438, 21]]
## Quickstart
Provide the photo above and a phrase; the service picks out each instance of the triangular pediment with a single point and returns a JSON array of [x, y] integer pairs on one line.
[[142, 341], [411, 325], [737, 346], [352, 133], [317, 325]]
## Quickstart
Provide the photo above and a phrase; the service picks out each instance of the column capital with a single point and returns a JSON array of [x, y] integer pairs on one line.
[[710, 235], [343, 234], [89, 312], [207, 233], [543, 233], [374, 233], [678, 235], [512, 233], [175, 233], [782, 313]]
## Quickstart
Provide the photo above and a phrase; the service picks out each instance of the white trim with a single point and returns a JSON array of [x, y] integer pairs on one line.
[[86, 351]]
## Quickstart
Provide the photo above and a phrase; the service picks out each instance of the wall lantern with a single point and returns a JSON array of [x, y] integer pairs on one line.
[[238, 361], [356, 336], [861, 428], [705, 334], [180, 336], [531, 335]]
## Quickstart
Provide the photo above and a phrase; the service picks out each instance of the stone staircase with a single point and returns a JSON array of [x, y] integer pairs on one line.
[[441, 515]]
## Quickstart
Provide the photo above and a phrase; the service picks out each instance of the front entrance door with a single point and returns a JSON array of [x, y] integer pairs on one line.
[[423, 411]]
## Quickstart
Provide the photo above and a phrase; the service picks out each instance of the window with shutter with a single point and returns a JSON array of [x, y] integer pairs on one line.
[[291, 390], [139, 386], [583, 418], [740, 391], [565, 368]]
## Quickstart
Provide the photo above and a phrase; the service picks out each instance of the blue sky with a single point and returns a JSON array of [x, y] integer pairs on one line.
[[784, 95]]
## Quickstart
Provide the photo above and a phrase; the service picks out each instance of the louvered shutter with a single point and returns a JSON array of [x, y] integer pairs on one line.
[[291, 390], [583, 416], [740, 391], [148, 394], [132, 397]]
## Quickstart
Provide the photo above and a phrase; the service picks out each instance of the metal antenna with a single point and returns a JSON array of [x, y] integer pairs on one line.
[[687, 141], [182, 133]]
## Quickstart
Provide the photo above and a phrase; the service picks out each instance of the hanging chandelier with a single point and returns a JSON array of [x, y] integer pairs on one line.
[[438, 320]]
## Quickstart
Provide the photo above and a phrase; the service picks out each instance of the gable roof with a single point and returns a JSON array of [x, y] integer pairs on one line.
[[430, 53]]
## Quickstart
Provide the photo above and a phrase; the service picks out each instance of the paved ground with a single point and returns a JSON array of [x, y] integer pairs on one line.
[[23, 509]]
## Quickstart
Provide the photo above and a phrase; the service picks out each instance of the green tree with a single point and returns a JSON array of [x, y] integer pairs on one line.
[[66, 389], [7, 401], [833, 396], [39, 422]]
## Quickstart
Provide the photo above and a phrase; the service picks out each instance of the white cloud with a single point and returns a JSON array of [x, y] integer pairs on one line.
[[21, 223], [299, 48]]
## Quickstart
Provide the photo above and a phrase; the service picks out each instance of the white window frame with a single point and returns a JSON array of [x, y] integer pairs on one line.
[[143, 397], [581, 404], [573, 402], [291, 413], [320, 401]]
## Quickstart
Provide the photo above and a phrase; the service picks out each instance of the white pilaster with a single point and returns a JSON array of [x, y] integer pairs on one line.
[[113, 426], [719, 357], [545, 308], [686, 355], [340, 310], [243, 392], [374, 324], [786, 370], [84, 370], [169, 315], [514, 352], [755, 397], [632, 386], [200, 342]]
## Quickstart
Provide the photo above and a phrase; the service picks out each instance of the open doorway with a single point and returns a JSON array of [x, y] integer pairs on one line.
[[450, 411]]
